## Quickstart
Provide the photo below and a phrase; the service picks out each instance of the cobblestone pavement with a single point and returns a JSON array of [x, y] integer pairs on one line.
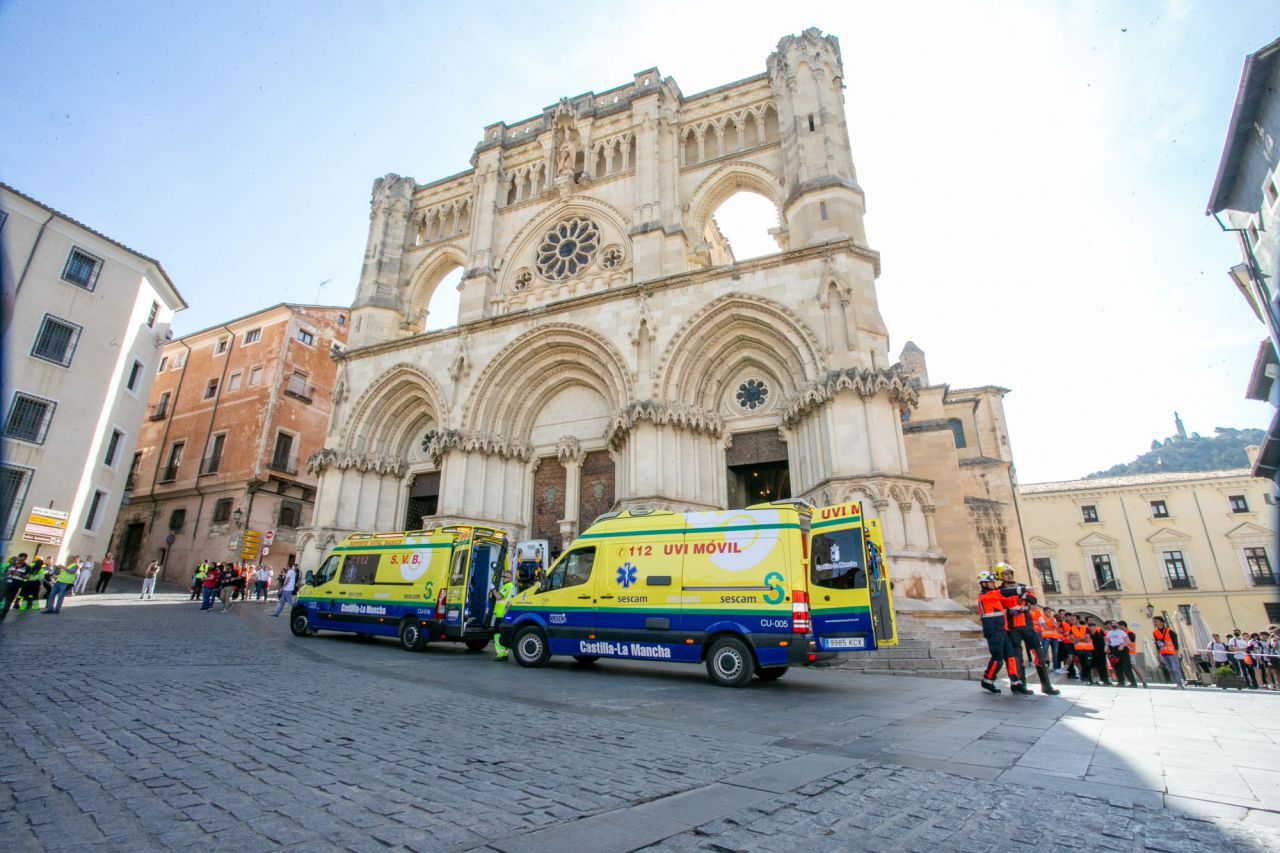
[[152, 726]]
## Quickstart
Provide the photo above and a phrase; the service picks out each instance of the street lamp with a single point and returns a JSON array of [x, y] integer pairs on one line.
[[238, 516], [1151, 608]]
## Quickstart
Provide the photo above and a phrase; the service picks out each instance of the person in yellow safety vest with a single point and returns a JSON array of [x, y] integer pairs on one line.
[[198, 580], [506, 592], [64, 580], [31, 586]]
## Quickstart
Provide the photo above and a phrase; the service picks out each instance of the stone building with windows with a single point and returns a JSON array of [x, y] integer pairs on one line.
[[85, 318], [610, 350], [1112, 545], [220, 467]]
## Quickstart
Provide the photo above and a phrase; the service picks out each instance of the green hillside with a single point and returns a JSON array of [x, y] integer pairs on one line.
[[1223, 450]]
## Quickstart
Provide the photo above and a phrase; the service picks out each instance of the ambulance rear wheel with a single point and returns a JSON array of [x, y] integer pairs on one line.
[[586, 658], [411, 637], [531, 647], [298, 623], [477, 645], [729, 662], [772, 673]]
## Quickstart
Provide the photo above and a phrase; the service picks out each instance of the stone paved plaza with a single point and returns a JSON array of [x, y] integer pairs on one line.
[[151, 726]]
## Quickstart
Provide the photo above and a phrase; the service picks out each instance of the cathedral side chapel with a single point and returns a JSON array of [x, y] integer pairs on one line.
[[610, 352]]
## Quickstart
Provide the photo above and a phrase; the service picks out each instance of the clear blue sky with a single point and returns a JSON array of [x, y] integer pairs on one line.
[[1036, 173]]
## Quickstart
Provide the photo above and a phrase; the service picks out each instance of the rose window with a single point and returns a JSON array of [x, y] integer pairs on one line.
[[611, 258], [523, 280], [567, 249], [752, 394]]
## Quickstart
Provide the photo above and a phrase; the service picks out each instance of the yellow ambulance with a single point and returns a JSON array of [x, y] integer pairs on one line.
[[744, 591], [420, 586]]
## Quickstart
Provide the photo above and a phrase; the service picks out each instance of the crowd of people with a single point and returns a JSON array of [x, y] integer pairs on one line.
[[1081, 647], [30, 584], [223, 583]]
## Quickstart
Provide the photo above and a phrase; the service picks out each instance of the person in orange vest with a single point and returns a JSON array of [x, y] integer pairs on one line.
[[1018, 600], [995, 628], [1047, 627], [1082, 645], [1167, 648]]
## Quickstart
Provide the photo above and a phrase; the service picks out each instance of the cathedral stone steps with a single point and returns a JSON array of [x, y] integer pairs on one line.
[[938, 639]]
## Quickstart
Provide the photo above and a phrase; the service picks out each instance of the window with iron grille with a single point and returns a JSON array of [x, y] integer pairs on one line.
[[14, 482], [1259, 567], [290, 514], [1238, 503], [222, 510], [91, 518], [1175, 570], [1090, 513], [82, 269], [29, 418], [113, 444], [56, 341], [1103, 573], [1159, 509], [134, 373], [177, 518], [151, 315], [1044, 566]]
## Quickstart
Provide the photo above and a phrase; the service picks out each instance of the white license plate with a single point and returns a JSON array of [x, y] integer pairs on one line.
[[845, 643]]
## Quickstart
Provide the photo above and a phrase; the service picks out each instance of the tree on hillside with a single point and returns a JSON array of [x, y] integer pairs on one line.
[[1222, 451]]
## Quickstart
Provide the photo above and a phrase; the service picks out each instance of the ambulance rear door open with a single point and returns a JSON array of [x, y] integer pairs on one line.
[[844, 580]]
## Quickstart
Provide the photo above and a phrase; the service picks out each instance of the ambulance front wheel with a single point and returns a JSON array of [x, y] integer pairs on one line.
[[531, 647], [411, 637], [298, 623], [729, 662]]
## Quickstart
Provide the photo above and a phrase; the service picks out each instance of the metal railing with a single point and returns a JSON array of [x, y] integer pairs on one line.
[[1179, 582], [158, 412], [169, 474], [303, 391], [1050, 586], [1106, 584], [284, 464], [210, 465], [1260, 579]]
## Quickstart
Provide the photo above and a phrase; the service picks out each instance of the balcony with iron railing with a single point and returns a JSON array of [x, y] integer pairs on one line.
[[130, 481], [284, 464], [300, 390], [1106, 584], [168, 474], [1179, 582], [210, 465], [1263, 578], [158, 412], [1050, 585]]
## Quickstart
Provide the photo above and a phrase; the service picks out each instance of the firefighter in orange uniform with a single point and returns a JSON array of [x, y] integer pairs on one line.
[[1018, 601], [995, 628]]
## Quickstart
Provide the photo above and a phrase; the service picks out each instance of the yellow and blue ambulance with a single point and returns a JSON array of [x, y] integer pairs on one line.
[[419, 586], [750, 591]]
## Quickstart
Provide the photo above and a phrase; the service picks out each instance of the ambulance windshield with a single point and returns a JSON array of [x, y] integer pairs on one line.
[[838, 561], [326, 571]]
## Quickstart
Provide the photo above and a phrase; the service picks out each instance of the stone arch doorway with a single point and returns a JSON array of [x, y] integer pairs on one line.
[[757, 469]]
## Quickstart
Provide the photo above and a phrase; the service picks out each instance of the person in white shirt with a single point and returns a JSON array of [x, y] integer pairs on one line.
[[286, 590], [82, 576], [1218, 652], [1118, 648]]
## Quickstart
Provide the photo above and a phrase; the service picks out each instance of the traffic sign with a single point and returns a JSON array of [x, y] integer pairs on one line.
[[269, 538], [266, 550], [46, 526], [249, 545]]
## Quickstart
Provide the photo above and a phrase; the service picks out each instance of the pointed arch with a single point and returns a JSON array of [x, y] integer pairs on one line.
[[533, 367], [426, 276], [385, 417], [734, 329], [613, 229], [730, 178]]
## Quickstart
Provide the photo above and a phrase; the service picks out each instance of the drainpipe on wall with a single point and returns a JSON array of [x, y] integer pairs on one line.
[[164, 440]]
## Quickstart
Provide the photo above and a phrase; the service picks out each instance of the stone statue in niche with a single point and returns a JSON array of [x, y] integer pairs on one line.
[[565, 166]]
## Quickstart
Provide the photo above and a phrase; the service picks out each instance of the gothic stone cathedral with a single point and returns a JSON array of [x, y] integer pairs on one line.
[[609, 351]]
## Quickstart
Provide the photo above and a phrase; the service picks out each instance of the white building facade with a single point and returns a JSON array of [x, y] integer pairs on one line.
[[84, 320], [609, 351]]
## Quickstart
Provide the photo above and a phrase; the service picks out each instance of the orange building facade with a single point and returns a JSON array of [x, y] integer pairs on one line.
[[220, 468]]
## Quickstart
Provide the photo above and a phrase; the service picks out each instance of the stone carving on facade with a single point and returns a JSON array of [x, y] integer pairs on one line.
[[569, 451], [438, 442], [865, 382], [678, 415], [376, 463], [461, 363]]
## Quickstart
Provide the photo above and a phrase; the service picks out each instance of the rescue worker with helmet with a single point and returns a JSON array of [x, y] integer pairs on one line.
[[505, 593], [31, 585], [1018, 602], [991, 610]]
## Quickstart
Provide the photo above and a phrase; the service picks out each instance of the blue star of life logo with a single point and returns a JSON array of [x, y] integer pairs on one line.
[[626, 575]]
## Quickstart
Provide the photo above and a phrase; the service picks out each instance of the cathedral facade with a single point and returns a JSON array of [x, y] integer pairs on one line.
[[610, 352]]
